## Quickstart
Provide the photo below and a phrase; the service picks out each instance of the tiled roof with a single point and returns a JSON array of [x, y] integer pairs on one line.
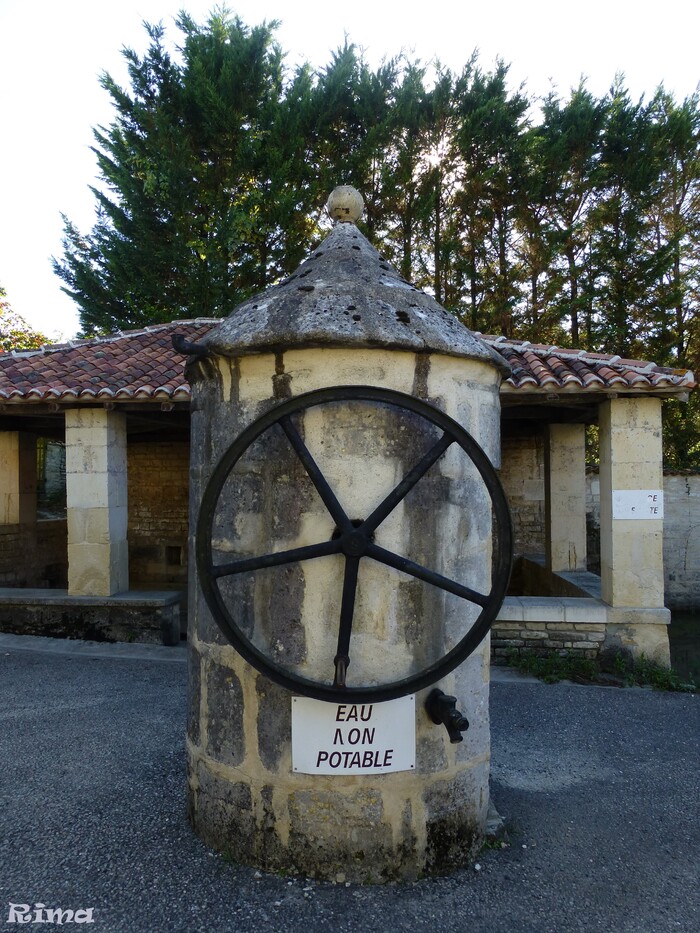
[[541, 368], [142, 365], [134, 365]]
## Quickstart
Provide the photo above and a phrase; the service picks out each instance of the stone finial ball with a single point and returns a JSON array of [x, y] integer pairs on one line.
[[345, 204]]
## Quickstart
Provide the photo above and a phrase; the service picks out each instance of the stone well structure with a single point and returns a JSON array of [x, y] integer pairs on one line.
[[343, 318]]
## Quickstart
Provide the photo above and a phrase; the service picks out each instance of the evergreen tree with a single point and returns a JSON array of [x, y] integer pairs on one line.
[[406, 197], [580, 226], [199, 198], [491, 147], [566, 175], [673, 335], [627, 260], [675, 217], [439, 168]]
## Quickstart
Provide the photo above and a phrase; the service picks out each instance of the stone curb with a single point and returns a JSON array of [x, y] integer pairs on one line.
[[120, 651]]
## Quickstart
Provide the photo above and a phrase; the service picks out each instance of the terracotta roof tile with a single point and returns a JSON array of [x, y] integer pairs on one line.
[[139, 364], [142, 365], [546, 368]]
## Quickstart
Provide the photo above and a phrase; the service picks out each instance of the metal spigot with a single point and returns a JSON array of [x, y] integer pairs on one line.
[[443, 709]]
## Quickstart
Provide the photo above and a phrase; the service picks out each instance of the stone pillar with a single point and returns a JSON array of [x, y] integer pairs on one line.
[[565, 497], [96, 494], [17, 478], [631, 550], [244, 797]]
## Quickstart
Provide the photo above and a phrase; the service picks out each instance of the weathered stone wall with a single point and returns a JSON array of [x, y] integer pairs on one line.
[[681, 539], [244, 798], [153, 618], [158, 504], [44, 554], [522, 476], [579, 639]]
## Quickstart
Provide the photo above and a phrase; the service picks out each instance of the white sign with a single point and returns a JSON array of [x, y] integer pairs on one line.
[[353, 738], [638, 503]]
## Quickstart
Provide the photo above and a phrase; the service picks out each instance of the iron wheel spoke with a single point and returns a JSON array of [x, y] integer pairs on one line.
[[407, 483], [347, 610], [423, 573], [324, 549], [353, 540], [315, 474]]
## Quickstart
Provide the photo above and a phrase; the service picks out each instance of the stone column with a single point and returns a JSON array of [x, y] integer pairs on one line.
[[244, 797], [96, 493], [565, 497], [631, 550], [17, 478]]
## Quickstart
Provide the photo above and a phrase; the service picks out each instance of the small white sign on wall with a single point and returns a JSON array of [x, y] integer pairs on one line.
[[353, 738], [638, 503]]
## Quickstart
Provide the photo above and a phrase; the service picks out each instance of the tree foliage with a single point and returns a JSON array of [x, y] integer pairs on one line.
[[573, 220], [15, 333]]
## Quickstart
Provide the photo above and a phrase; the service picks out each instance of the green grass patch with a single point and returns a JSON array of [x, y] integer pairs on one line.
[[552, 667], [645, 673], [616, 669]]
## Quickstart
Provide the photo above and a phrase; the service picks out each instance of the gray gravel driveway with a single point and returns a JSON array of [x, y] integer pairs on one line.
[[600, 788]]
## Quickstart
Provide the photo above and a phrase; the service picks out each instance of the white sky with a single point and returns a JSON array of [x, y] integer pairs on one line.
[[52, 51]]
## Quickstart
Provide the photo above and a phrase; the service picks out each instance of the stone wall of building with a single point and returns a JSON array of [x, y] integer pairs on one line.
[[579, 639], [158, 505], [522, 476], [44, 550], [682, 541]]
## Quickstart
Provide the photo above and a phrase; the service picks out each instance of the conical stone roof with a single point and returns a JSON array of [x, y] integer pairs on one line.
[[346, 295]]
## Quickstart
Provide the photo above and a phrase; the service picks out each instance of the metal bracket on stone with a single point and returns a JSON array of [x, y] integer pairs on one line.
[[187, 347]]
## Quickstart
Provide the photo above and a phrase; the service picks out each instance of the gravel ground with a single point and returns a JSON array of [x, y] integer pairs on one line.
[[599, 787]]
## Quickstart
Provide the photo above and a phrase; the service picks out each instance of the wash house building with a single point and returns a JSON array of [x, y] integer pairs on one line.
[[100, 550]]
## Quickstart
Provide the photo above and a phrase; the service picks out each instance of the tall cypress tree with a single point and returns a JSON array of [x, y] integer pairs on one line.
[[626, 258], [406, 197], [196, 207], [492, 122], [673, 332], [566, 171]]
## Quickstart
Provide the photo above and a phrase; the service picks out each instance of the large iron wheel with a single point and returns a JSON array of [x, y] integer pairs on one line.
[[354, 541]]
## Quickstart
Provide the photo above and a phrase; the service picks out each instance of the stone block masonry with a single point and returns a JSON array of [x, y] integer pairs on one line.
[[522, 475], [158, 520], [578, 640], [578, 626], [356, 828], [96, 494], [17, 478], [148, 617], [244, 797], [682, 541], [565, 497], [631, 552], [43, 549]]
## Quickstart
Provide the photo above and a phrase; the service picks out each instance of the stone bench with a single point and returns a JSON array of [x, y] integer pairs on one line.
[[139, 616]]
